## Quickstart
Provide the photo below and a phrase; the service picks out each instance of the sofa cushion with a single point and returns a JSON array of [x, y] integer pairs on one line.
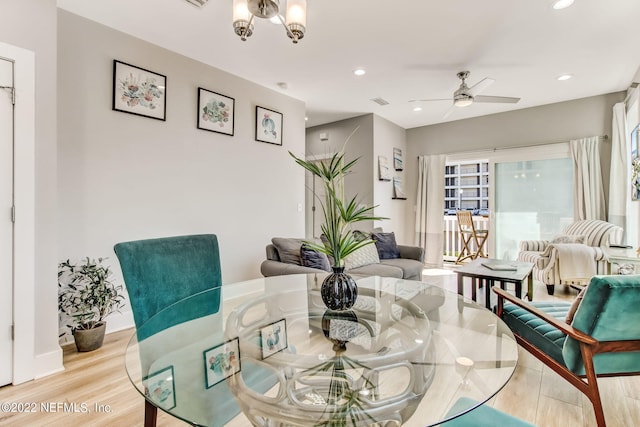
[[364, 256], [378, 270], [412, 269], [535, 330], [386, 245], [288, 249], [314, 259]]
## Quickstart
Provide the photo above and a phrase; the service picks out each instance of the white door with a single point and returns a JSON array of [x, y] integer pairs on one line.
[[6, 223]]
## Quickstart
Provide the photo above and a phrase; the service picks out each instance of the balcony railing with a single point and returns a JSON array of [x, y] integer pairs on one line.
[[453, 241]]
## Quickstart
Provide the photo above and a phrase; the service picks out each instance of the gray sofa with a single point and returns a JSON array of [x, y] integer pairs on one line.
[[409, 266]]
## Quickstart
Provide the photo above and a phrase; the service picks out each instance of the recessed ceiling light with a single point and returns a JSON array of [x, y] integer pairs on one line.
[[359, 72], [564, 77], [306, 119], [417, 108], [562, 4]]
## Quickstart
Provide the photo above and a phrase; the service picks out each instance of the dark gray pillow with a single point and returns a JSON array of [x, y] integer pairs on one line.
[[314, 259], [288, 249], [386, 245]]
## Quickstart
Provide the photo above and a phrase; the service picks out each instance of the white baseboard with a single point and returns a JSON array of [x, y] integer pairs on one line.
[[48, 363]]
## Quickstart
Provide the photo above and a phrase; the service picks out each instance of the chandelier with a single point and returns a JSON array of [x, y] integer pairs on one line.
[[244, 12]]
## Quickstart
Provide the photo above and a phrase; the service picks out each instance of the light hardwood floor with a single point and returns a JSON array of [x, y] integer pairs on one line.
[[94, 380]]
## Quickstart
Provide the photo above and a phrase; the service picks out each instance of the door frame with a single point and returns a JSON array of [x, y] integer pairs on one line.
[[24, 202]]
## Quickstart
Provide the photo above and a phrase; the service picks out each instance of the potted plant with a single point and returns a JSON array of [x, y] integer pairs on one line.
[[339, 291], [86, 296]]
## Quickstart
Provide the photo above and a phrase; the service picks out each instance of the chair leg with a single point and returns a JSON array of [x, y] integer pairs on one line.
[[551, 289], [592, 380], [150, 414], [465, 251]]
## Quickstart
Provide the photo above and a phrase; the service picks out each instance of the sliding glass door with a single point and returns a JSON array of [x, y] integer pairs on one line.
[[533, 201]]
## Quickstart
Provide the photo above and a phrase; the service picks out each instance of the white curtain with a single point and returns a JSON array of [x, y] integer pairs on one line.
[[430, 208], [619, 185], [588, 197]]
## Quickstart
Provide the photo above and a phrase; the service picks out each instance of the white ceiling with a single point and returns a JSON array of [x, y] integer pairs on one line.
[[411, 49]]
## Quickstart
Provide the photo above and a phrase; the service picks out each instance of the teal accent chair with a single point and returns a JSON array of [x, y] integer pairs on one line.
[[160, 272], [481, 416], [602, 340]]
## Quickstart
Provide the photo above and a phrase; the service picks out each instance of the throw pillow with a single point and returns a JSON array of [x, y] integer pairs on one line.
[[288, 249], [386, 245], [567, 238], [314, 259], [574, 306], [364, 256], [361, 235]]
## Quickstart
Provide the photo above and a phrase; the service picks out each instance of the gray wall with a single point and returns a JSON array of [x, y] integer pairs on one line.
[[386, 137], [558, 122], [31, 24], [374, 137], [360, 146], [125, 177]]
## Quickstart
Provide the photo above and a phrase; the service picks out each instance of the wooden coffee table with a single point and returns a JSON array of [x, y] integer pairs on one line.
[[480, 275]]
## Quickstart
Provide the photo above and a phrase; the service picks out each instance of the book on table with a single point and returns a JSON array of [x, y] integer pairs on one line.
[[500, 266]]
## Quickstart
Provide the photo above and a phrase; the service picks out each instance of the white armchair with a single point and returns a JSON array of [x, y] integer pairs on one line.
[[580, 238]]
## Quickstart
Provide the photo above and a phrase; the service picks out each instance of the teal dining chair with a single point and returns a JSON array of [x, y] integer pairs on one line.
[[157, 274], [481, 416], [160, 272]]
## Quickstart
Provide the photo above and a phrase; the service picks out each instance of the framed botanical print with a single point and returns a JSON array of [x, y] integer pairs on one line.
[[268, 126], [215, 112], [221, 361], [160, 387], [139, 91]]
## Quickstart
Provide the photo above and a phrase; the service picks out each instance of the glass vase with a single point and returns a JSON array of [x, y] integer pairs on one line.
[[339, 291]]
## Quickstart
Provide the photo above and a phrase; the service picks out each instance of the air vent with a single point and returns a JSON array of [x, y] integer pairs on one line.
[[380, 101], [198, 3]]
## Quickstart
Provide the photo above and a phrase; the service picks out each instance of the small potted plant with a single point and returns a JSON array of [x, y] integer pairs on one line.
[[86, 296]]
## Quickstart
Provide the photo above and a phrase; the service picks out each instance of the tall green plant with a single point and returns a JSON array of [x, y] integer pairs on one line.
[[338, 214]]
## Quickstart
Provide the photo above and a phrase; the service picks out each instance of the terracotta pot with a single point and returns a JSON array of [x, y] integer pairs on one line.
[[90, 339]]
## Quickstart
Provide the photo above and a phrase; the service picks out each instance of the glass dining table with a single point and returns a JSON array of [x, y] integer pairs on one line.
[[267, 352]]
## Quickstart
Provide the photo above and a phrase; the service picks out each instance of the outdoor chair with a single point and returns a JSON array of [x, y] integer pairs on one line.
[[472, 240], [602, 339]]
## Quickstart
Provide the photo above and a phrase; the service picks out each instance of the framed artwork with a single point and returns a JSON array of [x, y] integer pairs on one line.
[[268, 126], [139, 91], [384, 174], [215, 112], [160, 387], [635, 165], [397, 159], [221, 361], [398, 190], [273, 338]]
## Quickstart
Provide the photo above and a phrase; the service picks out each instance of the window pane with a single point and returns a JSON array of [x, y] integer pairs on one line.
[[533, 200]]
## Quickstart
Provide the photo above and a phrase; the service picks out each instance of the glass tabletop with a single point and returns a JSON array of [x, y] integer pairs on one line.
[[404, 354]]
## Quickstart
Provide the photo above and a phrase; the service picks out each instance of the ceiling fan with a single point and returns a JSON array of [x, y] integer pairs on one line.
[[465, 95]]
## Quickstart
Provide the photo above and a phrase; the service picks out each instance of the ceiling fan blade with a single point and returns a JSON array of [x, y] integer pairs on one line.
[[449, 111], [480, 86], [505, 99], [426, 100]]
